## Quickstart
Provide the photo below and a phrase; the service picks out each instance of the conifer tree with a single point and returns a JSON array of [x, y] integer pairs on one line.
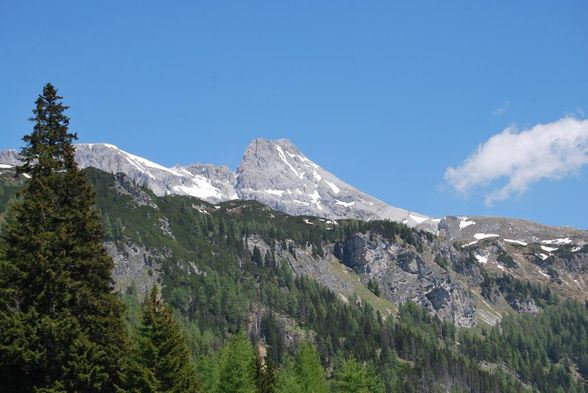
[[208, 369], [163, 348], [309, 369], [60, 324], [237, 370], [353, 377], [303, 372], [288, 380], [265, 374]]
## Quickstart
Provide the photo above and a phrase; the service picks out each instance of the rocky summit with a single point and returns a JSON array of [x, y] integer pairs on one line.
[[274, 173], [277, 174]]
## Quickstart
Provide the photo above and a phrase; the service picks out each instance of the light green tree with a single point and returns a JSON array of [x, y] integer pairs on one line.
[[237, 368], [354, 377]]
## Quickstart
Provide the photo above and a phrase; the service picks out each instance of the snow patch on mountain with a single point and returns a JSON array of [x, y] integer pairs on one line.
[[480, 236], [418, 219], [333, 187], [558, 242], [515, 242], [481, 258], [346, 204], [274, 192], [464, 223], [549, 249]]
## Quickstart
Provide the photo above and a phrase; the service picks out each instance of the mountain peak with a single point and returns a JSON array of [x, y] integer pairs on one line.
[[277, 174], [273, 172]]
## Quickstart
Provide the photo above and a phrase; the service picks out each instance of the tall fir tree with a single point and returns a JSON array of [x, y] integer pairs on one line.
[[163, 348], [60, 323]]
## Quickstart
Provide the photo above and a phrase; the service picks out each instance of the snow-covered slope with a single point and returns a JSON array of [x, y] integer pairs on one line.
[[213, 184], [204, 181]]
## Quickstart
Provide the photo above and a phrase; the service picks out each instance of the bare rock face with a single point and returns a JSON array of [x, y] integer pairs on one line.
[[9, 157], [135, 265], [277, 174], [205, 181], [213, 184], [405, 275], [303, 263], [524, 306], [125, 186]]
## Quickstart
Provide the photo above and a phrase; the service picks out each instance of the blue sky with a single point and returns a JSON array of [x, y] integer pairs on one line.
[[386, 96]]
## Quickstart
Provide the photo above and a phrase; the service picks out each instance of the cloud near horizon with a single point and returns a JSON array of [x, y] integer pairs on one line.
[[545, 151]]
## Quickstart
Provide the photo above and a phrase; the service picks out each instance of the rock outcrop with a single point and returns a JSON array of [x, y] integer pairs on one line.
[[403, 274]]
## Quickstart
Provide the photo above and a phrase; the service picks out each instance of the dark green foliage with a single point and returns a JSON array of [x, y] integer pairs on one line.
[[61, 326], [10, 184], [538, 347], [273, 334], [265, 374], [513, 290], [441, 261], [163, 350]]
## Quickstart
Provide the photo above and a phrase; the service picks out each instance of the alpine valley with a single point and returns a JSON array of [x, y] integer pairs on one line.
[[286, 251]]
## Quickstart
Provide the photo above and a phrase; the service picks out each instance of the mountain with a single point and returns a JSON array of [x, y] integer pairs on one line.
[[204, 181], [443, 273], [275, 173], [279, 175], [515, 231]]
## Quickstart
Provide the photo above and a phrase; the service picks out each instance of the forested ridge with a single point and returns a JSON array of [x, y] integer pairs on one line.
[[62, 329]]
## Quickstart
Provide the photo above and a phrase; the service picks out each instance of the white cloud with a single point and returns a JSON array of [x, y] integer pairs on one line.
[[545, 151]]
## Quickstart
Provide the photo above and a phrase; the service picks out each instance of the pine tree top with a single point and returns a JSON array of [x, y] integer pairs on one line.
[[49, 147]]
